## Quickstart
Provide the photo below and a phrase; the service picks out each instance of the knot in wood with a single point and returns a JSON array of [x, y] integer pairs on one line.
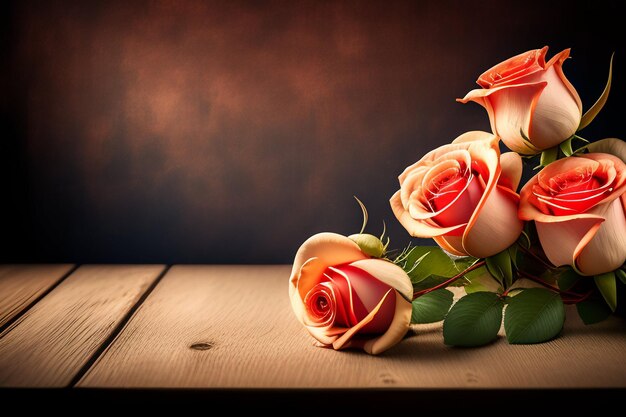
[[201, 346]]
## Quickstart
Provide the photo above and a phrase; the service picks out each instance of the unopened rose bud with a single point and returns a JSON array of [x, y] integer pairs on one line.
[[369, 244]]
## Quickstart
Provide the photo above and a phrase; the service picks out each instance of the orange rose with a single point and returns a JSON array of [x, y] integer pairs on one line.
[[463, 196], [346, 299], [578, 205], [531, 105]]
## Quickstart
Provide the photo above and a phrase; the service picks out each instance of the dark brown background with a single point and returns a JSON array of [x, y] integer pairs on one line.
[[192, 131]]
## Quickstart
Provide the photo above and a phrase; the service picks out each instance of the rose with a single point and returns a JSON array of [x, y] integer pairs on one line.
[[346, 299], [531, 105], [463, 196], [578, 205]]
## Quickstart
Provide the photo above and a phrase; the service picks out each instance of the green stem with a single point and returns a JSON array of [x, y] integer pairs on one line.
[[451, 280]]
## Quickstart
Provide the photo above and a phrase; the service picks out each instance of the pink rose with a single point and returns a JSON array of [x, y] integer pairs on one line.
[[346, 299], [463, 196], [578, 205], [531, 105]]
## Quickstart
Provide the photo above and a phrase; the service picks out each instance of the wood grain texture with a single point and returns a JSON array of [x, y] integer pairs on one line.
[[49, 344], [245, 335], [20, 285]]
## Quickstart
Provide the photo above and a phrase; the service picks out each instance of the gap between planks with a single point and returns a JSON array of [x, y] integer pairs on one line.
[[53, 342], [23, 286], [118, 329]]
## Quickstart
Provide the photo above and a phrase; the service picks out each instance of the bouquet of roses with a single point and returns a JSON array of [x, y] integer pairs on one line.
[[518, 256]]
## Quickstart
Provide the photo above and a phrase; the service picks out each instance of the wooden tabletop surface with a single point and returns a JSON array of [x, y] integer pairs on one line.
[[149, 326]]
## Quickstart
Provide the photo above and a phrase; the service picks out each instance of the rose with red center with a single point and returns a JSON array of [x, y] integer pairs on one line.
[[578, 205], [463, 196], [346, 299], [531, 104]]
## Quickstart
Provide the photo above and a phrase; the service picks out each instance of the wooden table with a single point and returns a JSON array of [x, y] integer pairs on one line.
[[221, 332]]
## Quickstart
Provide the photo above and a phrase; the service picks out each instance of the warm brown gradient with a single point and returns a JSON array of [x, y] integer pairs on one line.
[[230, 131]]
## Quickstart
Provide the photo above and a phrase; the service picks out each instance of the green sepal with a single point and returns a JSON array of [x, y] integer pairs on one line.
[[548, 156], [608, 288]]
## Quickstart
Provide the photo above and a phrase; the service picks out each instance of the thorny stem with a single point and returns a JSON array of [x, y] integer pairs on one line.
[[577, 297], [449, 281], [580, 299]]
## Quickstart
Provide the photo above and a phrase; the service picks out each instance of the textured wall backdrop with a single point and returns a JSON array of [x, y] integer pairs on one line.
[[195, 131]]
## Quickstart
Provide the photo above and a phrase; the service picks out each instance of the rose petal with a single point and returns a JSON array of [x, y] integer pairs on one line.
[[460, 209], [611, 146], [562, 241], [548, 176], [339, 343], [612, 169], [329, 249], [558, 60], [396, 331], [493, 213], [312, 268], [510, 110], [556, 114], [417, 228], [325, 335], [495, 226], [513, 68], [452, 244], [388, 273], [607, 250], [476, 135], [511, 170], [346, 293], [619, 181], [366, 291]]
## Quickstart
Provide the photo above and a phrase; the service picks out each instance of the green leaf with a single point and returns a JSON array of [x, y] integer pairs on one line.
[[463, 263], [535, 315], [548, 156], [567, 278], [499, 265], [431, 307], [595, 109], [608, 288], [428, 282], [619, 273], [474, 320], [566, 147], [521, 284], [513, 253], [481, 280], [593, 311], [424, 261]]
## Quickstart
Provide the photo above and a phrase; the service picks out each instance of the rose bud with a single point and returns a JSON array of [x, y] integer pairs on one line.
[[345, 299], [463, 196], [531, 105], [578, 205]]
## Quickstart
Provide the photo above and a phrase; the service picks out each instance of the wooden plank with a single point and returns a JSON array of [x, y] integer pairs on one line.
[[227, 326], [50, 343], [20, 285]]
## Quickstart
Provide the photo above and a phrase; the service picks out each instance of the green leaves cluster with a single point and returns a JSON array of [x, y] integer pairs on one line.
[[499, 296], [535, 315]]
